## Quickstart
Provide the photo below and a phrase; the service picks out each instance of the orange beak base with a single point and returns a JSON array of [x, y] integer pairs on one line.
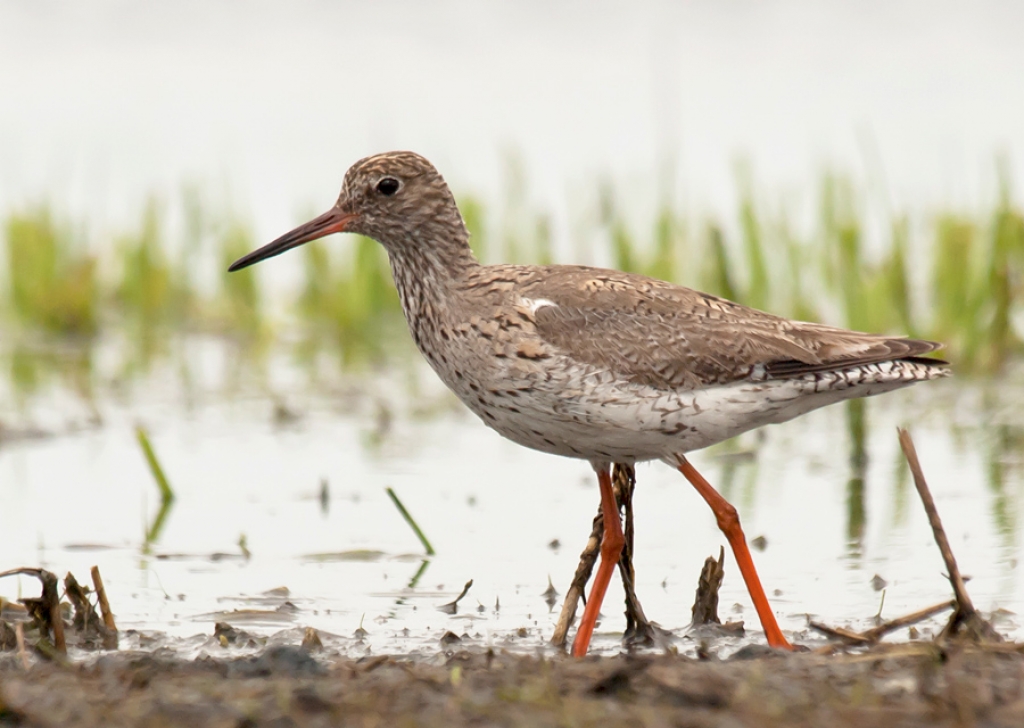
[[332, 221]]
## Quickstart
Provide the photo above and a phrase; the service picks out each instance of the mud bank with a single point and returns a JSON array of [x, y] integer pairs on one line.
[[914, 684]]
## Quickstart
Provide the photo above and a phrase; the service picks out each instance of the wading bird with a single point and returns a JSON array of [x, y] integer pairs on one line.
[[597, 364]]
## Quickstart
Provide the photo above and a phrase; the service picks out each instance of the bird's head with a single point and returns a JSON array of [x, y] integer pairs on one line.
[[397, 198]]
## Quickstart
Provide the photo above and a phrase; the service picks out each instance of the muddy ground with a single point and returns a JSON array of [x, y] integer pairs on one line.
[[915, 684]]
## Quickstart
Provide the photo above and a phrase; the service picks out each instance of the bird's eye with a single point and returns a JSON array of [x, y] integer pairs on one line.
[[388, 186]]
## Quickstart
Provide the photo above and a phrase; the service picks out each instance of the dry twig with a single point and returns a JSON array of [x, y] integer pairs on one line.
[[91, 630], [705, 602], [840, 633], [876, 633], [101, 595], [965, 620], [873, 635], [46, 608], [638, 629], [452, 607]]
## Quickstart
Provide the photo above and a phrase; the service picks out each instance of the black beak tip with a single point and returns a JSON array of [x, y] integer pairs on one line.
[[244, 262]]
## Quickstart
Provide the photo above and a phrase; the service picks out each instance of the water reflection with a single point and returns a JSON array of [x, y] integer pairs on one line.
[[238, 470], [1005, 442], [34, 366], [856, 512]]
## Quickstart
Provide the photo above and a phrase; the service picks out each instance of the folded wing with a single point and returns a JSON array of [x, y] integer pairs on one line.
[[674, 337]]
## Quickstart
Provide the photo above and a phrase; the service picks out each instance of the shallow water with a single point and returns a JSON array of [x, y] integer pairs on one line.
[[662, 103], [491, 508]]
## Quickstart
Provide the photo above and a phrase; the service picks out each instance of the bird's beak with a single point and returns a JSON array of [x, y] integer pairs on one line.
[[334, 220]]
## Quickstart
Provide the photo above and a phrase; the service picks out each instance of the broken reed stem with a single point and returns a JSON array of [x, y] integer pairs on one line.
[[101, 595], [920, 615], [639, 629], [464, 592], [965, 616], [166, 492], [577, 589], [840, 633], [49, 600], [705, 601], [452, 607], [79, 598], [959, 590], [53, 601], [412, 524], [871, 636]]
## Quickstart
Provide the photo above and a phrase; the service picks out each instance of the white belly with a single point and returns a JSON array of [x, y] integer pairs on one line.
[[622, 422]]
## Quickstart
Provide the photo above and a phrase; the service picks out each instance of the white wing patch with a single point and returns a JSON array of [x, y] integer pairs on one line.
[[535, 304]]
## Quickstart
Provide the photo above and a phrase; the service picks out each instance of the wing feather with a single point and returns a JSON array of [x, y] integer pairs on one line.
[[669, 336]]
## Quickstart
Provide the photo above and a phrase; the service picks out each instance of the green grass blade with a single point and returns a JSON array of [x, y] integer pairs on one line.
[[412, 523], [166, 492]]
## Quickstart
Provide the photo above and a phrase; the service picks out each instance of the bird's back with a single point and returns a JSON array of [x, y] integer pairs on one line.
[[596, 363], [665, 335]]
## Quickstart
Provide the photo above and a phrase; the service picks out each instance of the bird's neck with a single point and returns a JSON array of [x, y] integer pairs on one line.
[[429, 268]]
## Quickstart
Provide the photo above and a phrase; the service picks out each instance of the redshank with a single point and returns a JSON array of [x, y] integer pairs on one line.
[[597, 364]]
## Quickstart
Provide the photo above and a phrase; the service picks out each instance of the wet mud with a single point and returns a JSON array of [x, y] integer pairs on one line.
[[913, 684], [59, 666]]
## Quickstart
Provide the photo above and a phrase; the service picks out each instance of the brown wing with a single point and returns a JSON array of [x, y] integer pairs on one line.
[[669, 336]]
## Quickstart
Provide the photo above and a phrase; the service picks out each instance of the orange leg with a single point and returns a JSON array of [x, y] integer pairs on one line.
[[611, 548], [729, 523]]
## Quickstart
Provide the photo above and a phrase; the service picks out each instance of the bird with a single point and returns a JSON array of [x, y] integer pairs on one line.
[[597, 364]]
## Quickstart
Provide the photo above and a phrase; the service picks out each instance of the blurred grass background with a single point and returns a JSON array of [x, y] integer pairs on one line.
[[951, 275]]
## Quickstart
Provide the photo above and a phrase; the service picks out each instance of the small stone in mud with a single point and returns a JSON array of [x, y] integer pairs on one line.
[[311, 641], [760, 543], [450, 638], [615, 683], [279, 660], [308, 700], [754, 652], [228, 635]]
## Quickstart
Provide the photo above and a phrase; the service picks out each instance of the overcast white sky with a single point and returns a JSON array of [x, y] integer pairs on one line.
[[104, 103]]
